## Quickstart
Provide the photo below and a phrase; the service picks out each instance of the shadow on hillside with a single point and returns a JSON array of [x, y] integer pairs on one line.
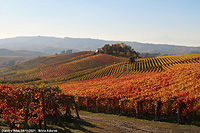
[[68, 124], [78, 125]]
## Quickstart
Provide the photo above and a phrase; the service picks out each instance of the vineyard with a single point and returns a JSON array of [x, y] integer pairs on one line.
[[143, 65], [139, 92], [43, 68], [32, 106], [85, 65], [160, 88]]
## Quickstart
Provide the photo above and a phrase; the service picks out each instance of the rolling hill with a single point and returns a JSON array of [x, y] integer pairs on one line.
[[161, 87], [86, 65], [157, 87], [47, 67], [12, 57], [54, 45], [24, 53]]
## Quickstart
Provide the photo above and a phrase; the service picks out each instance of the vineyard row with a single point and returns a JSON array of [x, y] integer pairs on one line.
[[150, 109], [156, 64], [32, 106]]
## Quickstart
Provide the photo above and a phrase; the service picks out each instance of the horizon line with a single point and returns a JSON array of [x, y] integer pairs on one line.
[[151, 43]]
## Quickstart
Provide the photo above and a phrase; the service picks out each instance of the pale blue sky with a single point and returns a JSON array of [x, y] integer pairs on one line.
[[154, 21]]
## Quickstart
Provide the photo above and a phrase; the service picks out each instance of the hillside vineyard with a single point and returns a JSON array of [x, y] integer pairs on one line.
[[164, 86], [85, 65]]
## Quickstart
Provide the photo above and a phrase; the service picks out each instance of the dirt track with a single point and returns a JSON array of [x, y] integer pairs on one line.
[[115, 124]]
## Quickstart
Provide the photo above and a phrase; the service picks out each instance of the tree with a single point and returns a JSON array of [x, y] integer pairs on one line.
[[132, 60], [107, 49], [119, 49], [63, 52]]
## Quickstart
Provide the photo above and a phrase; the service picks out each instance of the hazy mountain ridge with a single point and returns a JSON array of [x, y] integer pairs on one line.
[[11, 57], [24, 53], [54, 45]]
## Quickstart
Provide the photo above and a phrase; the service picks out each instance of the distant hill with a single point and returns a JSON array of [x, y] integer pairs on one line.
[[12, 57], [6, 61], [24, 53], [54, 45]]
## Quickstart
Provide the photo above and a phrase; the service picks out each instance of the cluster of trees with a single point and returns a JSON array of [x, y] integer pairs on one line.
[[69, 51], [119, 49]]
